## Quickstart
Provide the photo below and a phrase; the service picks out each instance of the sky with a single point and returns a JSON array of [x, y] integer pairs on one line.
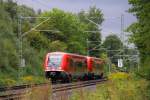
[[112, 10]]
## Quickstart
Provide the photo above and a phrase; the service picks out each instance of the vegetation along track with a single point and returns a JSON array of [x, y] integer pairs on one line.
[[17, 92]]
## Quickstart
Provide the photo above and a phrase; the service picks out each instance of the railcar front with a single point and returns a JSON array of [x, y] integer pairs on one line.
[[55, 67]]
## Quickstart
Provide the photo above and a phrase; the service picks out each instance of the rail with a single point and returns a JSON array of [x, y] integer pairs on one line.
[[64, 87], [19, 92], [16, 92]]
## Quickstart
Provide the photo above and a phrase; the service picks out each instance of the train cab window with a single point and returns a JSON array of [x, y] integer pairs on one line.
[[54, 60]]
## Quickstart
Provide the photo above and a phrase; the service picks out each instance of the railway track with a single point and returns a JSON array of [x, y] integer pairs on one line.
[[18, 92], [75, 85], [65, 91]]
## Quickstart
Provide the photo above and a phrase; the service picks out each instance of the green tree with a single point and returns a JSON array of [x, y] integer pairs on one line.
[[7, 41], [141, 32], [113, 44], [141, 35], [38, 40], [8, 46], [93, 19], [9, 53], [58, 46], [66, 28]]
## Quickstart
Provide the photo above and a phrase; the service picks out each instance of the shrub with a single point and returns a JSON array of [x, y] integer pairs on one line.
[[121, 86], [32, 80], [7, 82], [119, 76]]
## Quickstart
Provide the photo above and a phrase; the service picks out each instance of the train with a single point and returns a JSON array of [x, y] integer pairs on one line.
[[67, 67]]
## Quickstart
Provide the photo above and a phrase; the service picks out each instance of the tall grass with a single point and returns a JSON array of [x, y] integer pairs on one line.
[[121, 86], [38, 93]]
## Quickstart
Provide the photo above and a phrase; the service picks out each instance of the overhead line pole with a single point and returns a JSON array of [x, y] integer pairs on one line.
[[122, 36], [88, 51], [21, 35], [21, 61], [25, 33], [20, 40], [108, 60]]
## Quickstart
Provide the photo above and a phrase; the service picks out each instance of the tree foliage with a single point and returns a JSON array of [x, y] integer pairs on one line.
[[140, 29], [66, 28], [62, 31], [93, 19], [113, 45], [141, 32], [9, 52], [7, 40]]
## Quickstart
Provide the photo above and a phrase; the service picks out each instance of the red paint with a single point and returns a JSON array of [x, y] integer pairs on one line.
[[89, 63], [64, 66]]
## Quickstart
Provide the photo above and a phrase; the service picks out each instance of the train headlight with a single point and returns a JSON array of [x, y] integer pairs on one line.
[[59, 68]]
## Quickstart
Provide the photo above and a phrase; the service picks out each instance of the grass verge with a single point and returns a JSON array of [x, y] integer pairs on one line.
[[121, 86]]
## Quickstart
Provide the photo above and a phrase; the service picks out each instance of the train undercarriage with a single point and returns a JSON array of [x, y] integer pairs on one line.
[[63, 77]]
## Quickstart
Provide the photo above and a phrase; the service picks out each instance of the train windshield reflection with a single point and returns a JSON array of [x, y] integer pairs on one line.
[[54, 60]]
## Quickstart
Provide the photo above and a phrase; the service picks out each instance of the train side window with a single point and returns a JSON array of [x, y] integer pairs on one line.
[[84, 63], [97, 65], [78, 64], [71, 62]]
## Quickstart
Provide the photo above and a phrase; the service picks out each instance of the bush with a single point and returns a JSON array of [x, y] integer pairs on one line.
[[121, 86], [32, 80], [119, 76], [7, 82]]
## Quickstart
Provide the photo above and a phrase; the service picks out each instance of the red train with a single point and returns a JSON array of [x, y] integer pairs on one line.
[[66, 67]]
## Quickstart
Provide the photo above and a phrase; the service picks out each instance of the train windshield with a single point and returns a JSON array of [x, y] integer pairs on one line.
[[54, 60]]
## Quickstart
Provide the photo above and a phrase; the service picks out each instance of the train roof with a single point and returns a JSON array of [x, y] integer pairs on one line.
[[63, 53]]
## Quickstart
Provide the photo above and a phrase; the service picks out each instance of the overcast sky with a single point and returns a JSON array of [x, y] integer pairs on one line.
[[112, 10]]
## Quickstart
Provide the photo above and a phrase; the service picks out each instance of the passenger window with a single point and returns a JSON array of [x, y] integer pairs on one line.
[[71, 62], [79, 64]]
